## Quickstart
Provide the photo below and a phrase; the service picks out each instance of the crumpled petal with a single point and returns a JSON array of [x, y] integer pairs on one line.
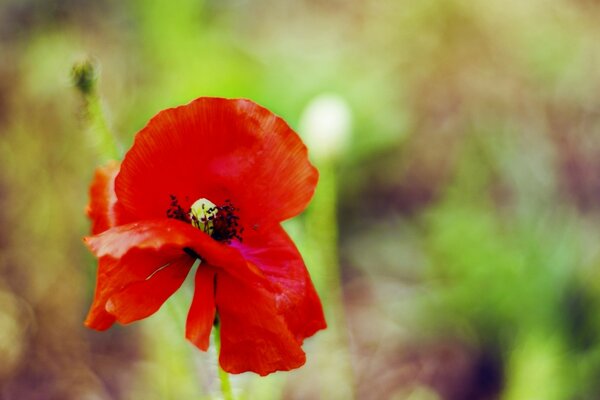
[[274, 253], [171, 237], [202, 311], [114, 274], [254, 334], [104, 209], [143, 298], [219, 149], [100, 208], [98, 318]]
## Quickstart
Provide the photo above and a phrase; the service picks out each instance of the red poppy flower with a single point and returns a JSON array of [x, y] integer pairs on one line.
[[211, 180]]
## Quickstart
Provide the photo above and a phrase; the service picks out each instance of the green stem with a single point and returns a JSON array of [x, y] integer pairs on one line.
[[322, 228], [223, 376], [106, 142], [85, 80]]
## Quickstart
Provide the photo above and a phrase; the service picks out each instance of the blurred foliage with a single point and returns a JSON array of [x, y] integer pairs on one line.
[[468, 201]]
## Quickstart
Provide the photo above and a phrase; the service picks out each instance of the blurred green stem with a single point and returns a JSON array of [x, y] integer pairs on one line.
[[85, 80], [223, 376], [322, 229], [322, 226]]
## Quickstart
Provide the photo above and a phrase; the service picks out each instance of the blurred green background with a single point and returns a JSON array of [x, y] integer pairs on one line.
[[465, 206]]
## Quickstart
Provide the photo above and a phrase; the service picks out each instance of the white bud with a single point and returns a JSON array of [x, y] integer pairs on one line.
[[325, 126]]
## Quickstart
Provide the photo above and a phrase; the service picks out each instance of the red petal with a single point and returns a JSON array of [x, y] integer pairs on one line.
[[103, 208], [274, 253], [217, 149], [202, 311], [100, 209], [168, 237], [115, 274], [97, 317], [143, 298], [254, 336]]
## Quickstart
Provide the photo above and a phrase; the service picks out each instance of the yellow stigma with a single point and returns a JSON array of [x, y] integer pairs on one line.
[[202, 214]]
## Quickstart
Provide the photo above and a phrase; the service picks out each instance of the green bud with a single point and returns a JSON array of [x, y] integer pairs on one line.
[[84, 76]]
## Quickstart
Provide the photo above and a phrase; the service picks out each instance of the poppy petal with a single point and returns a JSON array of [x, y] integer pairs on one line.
[[116, 273], [143, 298], [169, 237], [104, 209], [254, 335], [274, 253], [100, 208], [97, 317], [217, 149], [202, 311]]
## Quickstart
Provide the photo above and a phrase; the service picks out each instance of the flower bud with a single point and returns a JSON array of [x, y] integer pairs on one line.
[[325, 126], [84, 76]]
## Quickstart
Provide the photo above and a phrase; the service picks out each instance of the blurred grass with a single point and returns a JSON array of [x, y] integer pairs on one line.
[[468, 199]]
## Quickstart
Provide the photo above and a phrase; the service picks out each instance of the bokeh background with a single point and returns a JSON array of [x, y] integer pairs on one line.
[[453, 238]]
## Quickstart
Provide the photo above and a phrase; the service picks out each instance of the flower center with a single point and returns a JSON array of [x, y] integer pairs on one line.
[[202, 215], [220, 222]]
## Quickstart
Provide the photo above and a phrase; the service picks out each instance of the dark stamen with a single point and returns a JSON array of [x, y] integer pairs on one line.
[[175, 211], [224, 223]]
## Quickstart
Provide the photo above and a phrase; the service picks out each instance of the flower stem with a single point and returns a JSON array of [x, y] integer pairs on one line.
[[223, 376], [85, 80], [322, 228]]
